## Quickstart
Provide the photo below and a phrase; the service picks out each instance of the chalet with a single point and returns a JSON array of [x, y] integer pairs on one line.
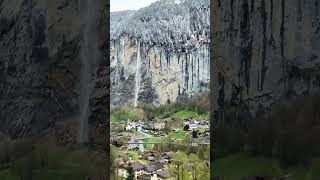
[[152, 171], [197, 123], [122, 170], [163, 135], [159, 126], [168, 155], [157, 133], [194, 144], [191, 123], [153, 167], [139, 128], [161, 175], [203, 126], [144, 177], [200, 140], [193, 126], [147, 155], [137, 146], [176, 130], [129, 127], [134, 125], [151, 158], [163, 161], [134, 138], [203, 133], [164, 175], [117, 141], [135, 165], [133, 146]]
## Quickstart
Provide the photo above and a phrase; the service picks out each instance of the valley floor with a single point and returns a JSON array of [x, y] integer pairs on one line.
[[170, 144]]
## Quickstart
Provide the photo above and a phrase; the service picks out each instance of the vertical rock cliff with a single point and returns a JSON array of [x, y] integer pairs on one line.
[[264, 52], [52, 69], [160, 53]]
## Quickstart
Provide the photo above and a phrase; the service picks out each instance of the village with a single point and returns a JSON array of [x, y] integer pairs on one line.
[[147, 150]]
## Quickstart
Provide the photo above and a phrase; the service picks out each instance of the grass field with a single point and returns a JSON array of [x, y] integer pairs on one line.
[[150, 146], [126, 114], [134, 155], [239, 165], [62, 163], [184, 114], [179, 135]]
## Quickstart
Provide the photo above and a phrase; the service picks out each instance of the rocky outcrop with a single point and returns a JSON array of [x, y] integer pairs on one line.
[[263, 52], [160, 54], [41, 45]]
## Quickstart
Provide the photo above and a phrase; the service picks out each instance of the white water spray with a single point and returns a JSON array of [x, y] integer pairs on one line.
[[137, 77]]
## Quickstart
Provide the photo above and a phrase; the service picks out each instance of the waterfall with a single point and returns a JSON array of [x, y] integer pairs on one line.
[[137, 77], [88, 56], [123, 51]]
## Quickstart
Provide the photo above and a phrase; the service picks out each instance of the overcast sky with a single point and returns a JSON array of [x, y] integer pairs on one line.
[[120, 5]]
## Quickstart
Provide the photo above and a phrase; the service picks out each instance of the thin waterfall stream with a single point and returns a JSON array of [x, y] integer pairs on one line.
[[137, 77], [87, 56]]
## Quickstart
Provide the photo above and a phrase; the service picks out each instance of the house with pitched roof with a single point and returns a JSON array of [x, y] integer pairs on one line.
[[138, 169], [164, 175], [160, 175], [139, 146], [153, 168]]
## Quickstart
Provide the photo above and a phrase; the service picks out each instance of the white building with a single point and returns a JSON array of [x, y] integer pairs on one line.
[[135, 165]]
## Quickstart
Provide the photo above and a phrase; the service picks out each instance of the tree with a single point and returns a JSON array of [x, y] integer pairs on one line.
[[203, 172], [113, 157], [187, 139], [118, 143], [166, 127], [194, 134], [186, 127], [179, 164], [130, 173], [194, 162], [168, 140], [157, 156]]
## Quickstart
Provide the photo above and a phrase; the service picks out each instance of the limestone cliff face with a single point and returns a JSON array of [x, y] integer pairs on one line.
[[264, 51], [170, 41], [41, 64]]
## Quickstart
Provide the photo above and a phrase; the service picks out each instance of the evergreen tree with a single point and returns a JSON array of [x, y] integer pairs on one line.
[[194, 134], [186, 127], [130, 173]]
